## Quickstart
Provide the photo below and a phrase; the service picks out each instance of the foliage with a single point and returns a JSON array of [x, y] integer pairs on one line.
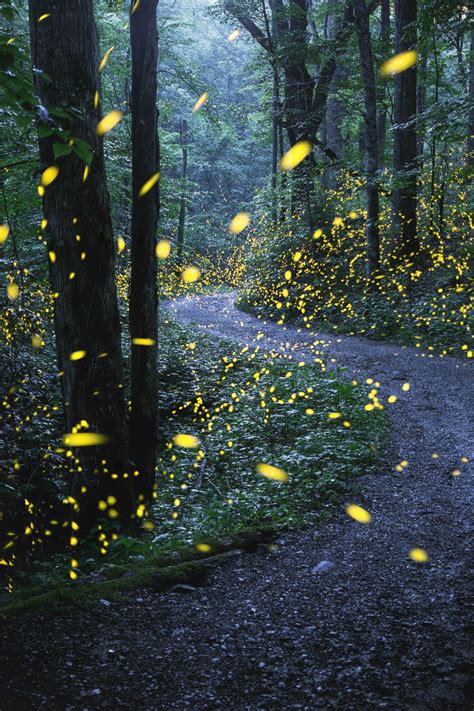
[[319, 279], [239, 403]]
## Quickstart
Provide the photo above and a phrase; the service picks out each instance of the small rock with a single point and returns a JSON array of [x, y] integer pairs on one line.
[[182, 588], [323, 567]]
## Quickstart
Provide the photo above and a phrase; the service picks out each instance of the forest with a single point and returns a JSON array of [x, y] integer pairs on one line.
[[236, 375]]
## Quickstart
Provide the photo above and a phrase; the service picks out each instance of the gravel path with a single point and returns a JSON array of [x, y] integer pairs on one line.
[[374, 630]]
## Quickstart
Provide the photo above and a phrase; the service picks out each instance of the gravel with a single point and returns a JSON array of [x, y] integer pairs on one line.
[[335, 617]]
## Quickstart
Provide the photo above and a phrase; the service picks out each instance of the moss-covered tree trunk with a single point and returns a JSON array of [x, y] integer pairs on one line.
[[65, 57]]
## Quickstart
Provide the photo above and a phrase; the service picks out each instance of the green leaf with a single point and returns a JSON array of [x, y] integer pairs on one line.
[[60, 113], [84, 152], [61, 149], [44, 131], [8, 13]]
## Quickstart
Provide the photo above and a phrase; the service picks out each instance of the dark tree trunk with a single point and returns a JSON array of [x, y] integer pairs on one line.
[[385, 48], [183, 133], [299, 82], [273, 28], [470, 135], [406, 241], [371, 144], [304, 98], [433, 146], [275, 119], [292, 26], [335, 107], [145, 212], [421, 102], [65, 59], [281, 152]]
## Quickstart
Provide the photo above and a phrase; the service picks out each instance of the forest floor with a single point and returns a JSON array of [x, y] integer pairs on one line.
[[271, 630]]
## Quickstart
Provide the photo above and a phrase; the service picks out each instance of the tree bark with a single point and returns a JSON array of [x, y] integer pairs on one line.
[[335, 109], [421, 102], [385, 47], [470, 136], [275, 120], [304, 98], [183, 131], [145, 213], [65, 60], [371, 143], [406, 241]]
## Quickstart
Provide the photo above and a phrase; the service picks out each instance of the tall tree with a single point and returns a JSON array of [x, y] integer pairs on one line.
[[335, 107], [183, 137], [305, 97], [406, 240], [64, 52], [276, 109], [470, 136], [145, 213], [385, 49], [421, 100], [371, 142]]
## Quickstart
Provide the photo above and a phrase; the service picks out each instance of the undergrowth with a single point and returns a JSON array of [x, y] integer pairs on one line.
[[245, 406]]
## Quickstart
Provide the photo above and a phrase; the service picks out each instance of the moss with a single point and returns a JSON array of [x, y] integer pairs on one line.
[[160, 575]]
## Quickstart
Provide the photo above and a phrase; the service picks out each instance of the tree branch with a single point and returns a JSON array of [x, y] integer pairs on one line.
[[249, 25]]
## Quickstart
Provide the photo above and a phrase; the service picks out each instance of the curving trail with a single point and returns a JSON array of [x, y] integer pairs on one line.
[[374, 631]]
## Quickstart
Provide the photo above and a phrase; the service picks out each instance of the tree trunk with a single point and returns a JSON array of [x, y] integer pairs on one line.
[[433, 145], [82, 273], [283, 176], [421, 102], [335, 107], [371, 143], [145, 212], [470, 136], [385, 47], [292, 24], [304, 99], [183, 132], [406, 241]]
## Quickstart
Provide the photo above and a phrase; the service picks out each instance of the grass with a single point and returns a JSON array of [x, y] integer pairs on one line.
[[245, 407]]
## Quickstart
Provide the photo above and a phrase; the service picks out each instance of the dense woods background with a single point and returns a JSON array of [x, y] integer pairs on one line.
[[125, 160]]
